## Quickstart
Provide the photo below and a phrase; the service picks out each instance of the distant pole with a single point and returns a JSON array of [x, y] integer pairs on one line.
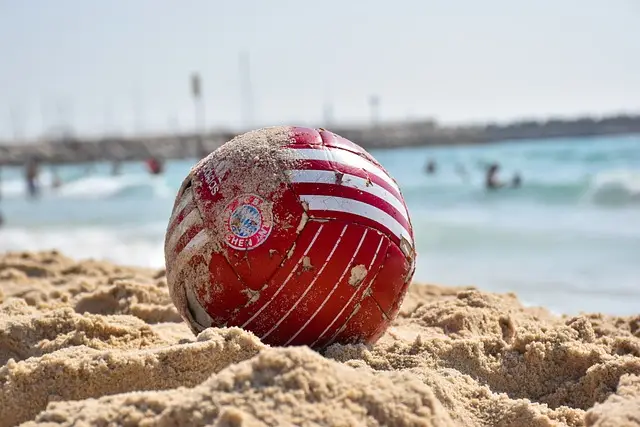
[[64, 109], [43, 117], [374, 104], [13, 118], [246, 90], [328, 114], [137, 114], [199, 117], [70, 116], [108, 119], [61, 114], [16, 117]]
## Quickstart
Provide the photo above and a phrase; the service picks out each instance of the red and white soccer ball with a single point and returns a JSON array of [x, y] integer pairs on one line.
[[295, 234]]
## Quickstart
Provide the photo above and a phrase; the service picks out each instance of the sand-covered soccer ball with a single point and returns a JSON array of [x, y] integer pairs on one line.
[[295, 234]]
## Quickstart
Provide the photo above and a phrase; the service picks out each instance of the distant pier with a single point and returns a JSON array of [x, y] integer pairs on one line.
[[381, 136]]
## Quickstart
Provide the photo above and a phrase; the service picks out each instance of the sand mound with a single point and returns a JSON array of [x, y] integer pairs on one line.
[[90, 343]]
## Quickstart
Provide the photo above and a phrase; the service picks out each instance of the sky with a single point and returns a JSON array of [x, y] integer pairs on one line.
[[123, 66]]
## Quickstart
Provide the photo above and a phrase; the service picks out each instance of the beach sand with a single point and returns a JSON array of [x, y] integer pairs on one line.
[[92, 343]]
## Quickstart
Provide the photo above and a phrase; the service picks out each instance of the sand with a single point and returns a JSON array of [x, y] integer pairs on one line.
[[95, 344]]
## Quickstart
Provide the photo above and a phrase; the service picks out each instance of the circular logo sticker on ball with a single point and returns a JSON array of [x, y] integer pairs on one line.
[[248, 220]]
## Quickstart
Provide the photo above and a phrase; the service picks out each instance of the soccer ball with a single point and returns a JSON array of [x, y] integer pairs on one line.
[[295, 234]]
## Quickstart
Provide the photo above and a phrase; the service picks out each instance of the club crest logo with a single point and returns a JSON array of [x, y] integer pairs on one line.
[[248, 220]]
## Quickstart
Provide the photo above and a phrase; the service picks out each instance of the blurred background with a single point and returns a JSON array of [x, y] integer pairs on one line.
[[105, 106]]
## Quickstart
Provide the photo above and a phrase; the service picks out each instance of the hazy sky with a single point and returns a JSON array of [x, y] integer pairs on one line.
[[124, 65]]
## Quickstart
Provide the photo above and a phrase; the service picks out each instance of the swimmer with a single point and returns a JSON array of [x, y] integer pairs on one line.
[[491, 180], [32, 171], [516, 181], [155, 165], [430, 167]]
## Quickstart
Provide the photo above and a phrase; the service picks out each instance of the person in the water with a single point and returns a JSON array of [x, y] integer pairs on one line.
[[492, 182], [491, 179], [155, 165], [430, 167], [32, 171], [516, 181]]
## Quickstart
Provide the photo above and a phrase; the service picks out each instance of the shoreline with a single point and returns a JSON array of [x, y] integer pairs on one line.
[[69, 149], [77, 337]]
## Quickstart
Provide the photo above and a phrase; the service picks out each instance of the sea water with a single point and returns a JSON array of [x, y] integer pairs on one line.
[[567, 239]]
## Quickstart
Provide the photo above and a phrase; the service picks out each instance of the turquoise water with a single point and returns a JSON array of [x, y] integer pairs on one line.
[[568, 239]]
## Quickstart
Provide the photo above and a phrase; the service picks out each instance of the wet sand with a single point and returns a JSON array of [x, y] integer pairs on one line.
[[92, 343]]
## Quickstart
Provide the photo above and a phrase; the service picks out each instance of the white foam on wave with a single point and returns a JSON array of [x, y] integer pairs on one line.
[[619, 184], [18, 187], [140, 246], [94, 187]]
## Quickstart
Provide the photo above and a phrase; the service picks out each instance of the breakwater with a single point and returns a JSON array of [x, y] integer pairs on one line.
[[383, 136]]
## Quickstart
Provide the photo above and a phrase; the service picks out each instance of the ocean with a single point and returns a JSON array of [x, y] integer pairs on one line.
[[567, 239]]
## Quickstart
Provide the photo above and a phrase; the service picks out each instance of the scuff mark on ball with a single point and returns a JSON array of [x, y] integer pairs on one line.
[[306, 263], [252, 296], [358, 273], [303, 221], [290, 253]]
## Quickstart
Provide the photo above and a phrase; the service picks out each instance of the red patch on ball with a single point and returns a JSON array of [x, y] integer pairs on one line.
[[295, 234]]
